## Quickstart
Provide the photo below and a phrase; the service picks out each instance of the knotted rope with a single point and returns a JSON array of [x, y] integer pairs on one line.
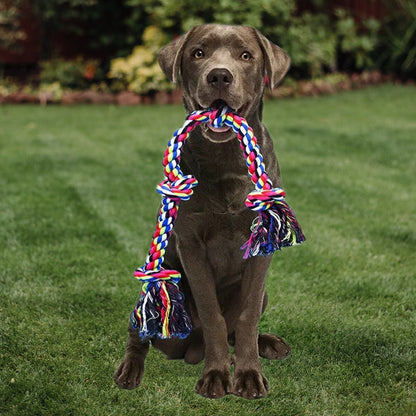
[[160, 311]]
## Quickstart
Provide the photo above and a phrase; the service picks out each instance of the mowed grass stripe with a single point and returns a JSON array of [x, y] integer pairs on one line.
[[77, 211]]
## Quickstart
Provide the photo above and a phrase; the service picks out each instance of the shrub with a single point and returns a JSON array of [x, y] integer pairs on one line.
[[50, 92], [315, 42], [140, 71], [355, 48], [7, 86], [74, 74], [109, 26], [10, 29], [397, 48], [311, 45]]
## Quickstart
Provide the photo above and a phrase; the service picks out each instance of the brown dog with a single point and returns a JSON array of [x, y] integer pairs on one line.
[[224, 294]]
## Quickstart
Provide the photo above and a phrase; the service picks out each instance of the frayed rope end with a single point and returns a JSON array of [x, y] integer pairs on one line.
[[273, 229], [160, 311]]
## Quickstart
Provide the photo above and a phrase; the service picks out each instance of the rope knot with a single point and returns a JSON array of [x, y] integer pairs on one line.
[[159, 312], [264, 199], [154, 276], [180, 189]]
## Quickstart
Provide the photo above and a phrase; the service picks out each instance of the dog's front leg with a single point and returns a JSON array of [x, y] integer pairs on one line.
[[216, 380], [249, 381], [130, 371]]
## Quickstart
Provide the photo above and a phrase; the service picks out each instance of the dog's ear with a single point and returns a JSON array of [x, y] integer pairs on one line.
[[170, 57], [277, 61]]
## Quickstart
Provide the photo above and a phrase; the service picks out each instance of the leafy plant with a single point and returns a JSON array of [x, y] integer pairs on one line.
[[10, 28], [110, 26], [356, 47], [140, 72], [53, 92], [75, 74], [397, 48], [314, 41], [7, 86], [306, 38], [311, 45], [175, 17]]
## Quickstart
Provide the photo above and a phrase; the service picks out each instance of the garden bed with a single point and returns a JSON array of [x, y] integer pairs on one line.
[[330, 84]]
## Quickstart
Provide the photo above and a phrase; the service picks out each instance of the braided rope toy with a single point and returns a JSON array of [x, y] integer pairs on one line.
[[160, 312]]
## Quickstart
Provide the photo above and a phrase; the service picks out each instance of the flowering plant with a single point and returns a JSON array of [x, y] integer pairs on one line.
[[140, 72]]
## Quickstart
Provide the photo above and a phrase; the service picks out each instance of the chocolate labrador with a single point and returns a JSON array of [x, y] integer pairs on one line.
[[224, 294]]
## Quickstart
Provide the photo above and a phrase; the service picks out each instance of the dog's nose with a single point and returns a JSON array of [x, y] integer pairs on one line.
[[220, 78]]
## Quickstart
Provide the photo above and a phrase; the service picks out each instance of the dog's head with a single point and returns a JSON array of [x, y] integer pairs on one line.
[[217, 65]]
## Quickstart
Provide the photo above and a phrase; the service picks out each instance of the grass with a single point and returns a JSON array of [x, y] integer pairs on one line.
[[77, 210]]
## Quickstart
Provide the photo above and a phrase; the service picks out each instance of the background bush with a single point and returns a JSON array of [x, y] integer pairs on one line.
[[116, 32], [74, 74], [315, 42], [10, 31], [109, 27], [397, 48], [140, 71]]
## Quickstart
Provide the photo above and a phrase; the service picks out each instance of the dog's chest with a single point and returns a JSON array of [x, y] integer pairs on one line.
[[215, 218], [219, 237], [223, 181]]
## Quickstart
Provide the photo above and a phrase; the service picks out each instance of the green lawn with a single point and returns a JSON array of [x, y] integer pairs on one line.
[[77, 211]]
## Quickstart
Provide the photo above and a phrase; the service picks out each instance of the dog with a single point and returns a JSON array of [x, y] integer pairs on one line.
[[225, 295]]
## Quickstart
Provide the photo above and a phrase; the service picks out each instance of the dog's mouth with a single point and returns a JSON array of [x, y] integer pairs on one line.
[[219, 105], [224, 133]]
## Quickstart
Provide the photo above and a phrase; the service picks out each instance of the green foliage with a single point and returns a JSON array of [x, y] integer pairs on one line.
[[10, 31], [313, 41], [317, 42], [397, 48], [74, 74], [7, 86], [176, 17], [112, 26], [356, 47], [52, 91], [310, 44], [140, 71]]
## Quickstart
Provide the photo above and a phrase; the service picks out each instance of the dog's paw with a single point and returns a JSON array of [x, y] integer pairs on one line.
[[250, 384], [214, 384], [273, 347], [129, 373]]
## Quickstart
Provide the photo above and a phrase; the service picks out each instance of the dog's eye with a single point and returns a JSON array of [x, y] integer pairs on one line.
[[246, 56], [199, 53]]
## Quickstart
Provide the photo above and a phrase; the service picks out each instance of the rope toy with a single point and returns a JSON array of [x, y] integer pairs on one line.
[[160, 312]]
